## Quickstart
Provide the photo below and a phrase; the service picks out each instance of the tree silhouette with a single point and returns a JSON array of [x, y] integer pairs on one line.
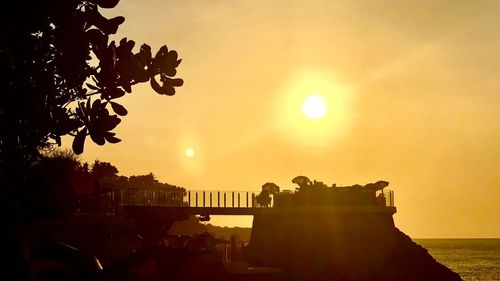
[[49, 189], [62, 75], [103, 169]]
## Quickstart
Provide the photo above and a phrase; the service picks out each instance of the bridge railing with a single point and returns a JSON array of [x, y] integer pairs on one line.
[[192, 198], [223, 199], [112, 202], [108, 203], [389, 197], [153, 197]]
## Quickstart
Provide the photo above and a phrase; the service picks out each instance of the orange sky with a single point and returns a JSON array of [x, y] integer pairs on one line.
[[412, 91]]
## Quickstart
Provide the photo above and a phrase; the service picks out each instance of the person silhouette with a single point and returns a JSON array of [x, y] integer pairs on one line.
[[381, 198]]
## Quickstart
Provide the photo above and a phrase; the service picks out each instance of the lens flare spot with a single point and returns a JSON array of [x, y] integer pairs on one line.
[[190, 153]]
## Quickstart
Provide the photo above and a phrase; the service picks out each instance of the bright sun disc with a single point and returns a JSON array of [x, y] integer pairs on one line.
[[314, 107], [189, 152]]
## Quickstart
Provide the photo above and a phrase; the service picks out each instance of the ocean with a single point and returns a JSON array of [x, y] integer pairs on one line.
[[473, 259]]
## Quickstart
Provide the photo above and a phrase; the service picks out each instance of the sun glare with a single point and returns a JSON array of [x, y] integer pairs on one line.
[[314, 107], [305, 108]]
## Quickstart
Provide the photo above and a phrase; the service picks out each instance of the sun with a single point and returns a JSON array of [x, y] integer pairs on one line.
[[314, 107], [190, 152]]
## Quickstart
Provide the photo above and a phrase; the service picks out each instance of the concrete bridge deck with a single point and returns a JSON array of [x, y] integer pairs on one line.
[[231, 211]]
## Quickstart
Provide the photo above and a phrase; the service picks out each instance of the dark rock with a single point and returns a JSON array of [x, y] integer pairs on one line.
[[354, 246]]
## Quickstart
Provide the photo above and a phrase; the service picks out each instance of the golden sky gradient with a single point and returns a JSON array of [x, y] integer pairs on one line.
[[412, 91]]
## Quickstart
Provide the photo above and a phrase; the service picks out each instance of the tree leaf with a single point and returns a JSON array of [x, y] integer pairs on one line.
[[127, 87], [107, 4], [111, 25], [92, 86], [87, 106], [177, 82], [110, 122], [113, 93], [97, 137], [162, 90], [144, 54], [98, 40], [110, 137], [157, 61], [108, 26], [123, 42], [96, 107], [79, 141], [118, 108]]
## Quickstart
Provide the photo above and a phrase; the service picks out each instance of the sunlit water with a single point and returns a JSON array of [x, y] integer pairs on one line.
[[473, 259]]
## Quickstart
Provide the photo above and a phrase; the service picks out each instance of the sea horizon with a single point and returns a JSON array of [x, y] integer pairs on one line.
[[456, 238]]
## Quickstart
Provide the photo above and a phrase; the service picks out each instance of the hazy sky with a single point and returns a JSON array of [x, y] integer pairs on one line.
[[412, 91]]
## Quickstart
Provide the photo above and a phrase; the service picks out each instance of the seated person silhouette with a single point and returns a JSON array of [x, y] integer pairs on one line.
[[381, 198], [264, 199]]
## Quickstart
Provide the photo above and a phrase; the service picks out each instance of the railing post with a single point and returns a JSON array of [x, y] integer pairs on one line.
[[196, 199], [224, 200], [210, 199], [203, 198], [218, 198], [247, 198], [232, 199], [253, 200], [189, 198], [238, 199]]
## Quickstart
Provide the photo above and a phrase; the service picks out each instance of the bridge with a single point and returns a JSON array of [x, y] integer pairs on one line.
[[199, 202], [153, 210]]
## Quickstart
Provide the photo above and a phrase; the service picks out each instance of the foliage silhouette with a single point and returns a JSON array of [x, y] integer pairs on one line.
[[58, 181], [62, 75], [49, 188], [103, 169]]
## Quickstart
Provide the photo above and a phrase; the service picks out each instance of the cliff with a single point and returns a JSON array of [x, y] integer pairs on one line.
[[341, 245]]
